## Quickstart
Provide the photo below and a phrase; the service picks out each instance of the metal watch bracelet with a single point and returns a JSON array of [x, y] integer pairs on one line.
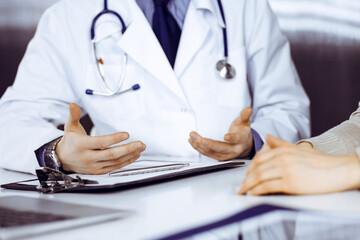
[[50, 158]]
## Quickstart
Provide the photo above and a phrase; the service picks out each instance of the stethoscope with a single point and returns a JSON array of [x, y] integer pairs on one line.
[[224, 68]]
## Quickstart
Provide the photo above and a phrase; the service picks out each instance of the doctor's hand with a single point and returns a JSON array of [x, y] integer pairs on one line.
[[85, 154], [282, 167], [238, 141]]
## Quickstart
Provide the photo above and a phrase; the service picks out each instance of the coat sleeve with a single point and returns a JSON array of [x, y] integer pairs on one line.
[[37, 103], [280, 104], [342, 139]]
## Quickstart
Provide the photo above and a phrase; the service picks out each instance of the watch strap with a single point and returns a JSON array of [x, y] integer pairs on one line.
[[50, 158]]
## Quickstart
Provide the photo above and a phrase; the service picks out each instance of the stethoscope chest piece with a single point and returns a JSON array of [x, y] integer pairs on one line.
[[225, 69]]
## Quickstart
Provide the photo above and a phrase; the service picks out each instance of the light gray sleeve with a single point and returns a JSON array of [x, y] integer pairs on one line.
[[342, 139]]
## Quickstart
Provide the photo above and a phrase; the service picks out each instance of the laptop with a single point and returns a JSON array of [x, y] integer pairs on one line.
[[22, 217]]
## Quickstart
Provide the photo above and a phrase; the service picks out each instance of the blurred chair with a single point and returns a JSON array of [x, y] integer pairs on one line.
[[325, 46], [324, 36]]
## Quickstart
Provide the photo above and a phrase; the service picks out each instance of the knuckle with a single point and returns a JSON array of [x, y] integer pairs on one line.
[[111, 154], [100, 143]]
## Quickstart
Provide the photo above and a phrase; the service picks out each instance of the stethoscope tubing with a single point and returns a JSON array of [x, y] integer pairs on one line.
[[224, 30], [106, 11], [225, 69]]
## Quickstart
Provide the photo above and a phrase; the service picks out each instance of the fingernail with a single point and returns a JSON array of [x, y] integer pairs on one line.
[[139, 145], [226, 137], [124, 136]]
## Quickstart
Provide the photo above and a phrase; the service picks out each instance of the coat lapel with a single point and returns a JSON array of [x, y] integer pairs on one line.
[[141, 44], [194, 33]]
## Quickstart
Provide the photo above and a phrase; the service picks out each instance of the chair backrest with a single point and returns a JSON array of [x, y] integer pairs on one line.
[[325, 46]]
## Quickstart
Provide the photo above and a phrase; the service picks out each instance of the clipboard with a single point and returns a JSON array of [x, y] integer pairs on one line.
[[57, 182]]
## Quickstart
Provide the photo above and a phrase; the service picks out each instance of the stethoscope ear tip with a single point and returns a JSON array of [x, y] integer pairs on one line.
[[89, 92], [136, 87]]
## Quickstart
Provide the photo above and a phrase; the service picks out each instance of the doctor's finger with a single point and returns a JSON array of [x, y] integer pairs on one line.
[[238, 137], [99, 142], [199, 148], [119, 151], [220, 147], [119, 165], [122, 161], [211, 153]]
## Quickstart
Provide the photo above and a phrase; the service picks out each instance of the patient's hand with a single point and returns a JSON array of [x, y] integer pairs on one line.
[[85, 154], [282, 167], [238, 141]]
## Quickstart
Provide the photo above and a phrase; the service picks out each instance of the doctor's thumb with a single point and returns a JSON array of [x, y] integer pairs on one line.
[[73, 123]]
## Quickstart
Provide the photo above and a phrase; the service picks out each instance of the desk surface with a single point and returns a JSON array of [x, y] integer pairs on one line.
[[174, 206]]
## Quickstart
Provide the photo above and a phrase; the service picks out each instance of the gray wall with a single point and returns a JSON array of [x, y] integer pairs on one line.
[[18, 20], [324, 36]]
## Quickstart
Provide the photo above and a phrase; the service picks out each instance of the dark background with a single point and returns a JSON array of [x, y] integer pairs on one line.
[[324, 37]]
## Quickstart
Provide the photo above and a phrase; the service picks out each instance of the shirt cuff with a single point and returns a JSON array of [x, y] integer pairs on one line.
[[257, 144], [40, 155]]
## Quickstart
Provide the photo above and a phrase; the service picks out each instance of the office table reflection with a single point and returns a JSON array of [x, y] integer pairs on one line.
[[171, 207]]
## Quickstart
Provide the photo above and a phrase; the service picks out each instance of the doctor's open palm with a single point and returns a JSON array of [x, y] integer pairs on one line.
[[238, 141], [85, 154]]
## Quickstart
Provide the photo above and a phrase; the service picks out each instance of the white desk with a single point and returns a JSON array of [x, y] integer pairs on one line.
[[174, 206]]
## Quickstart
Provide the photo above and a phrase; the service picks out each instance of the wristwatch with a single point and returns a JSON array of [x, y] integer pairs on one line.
[[50, 158]]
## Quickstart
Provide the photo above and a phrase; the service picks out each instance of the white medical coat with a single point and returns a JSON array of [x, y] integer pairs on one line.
[[59, 66]]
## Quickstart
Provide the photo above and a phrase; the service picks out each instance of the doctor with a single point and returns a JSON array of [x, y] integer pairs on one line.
[[167, 56]]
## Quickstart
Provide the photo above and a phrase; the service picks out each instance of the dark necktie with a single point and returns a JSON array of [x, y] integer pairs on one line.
[[166, 29]]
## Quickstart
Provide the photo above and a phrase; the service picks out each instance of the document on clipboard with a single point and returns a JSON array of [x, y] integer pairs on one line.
[[137, 174]]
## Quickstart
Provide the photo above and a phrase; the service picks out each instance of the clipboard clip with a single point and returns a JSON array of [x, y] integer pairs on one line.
[[52, 181]]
